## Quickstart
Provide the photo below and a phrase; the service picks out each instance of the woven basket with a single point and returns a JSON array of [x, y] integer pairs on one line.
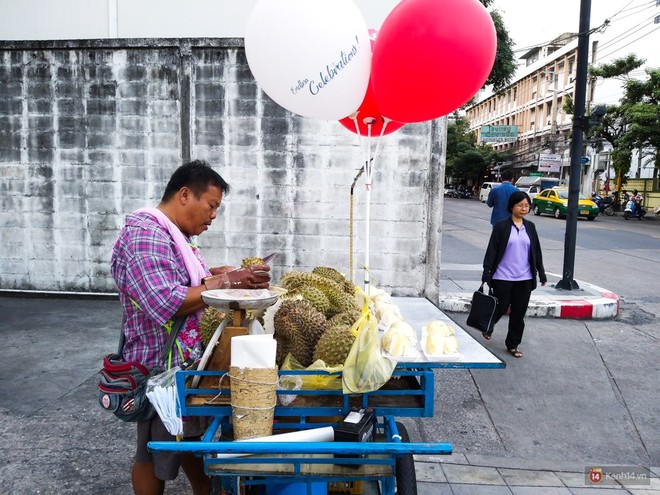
[[253, 398]]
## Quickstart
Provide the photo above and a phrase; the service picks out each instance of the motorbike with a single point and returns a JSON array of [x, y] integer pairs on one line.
[[463, 192], [605, 204], [634, 208]]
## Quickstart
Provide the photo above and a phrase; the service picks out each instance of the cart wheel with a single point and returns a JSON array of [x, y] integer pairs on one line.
[[406, 479]]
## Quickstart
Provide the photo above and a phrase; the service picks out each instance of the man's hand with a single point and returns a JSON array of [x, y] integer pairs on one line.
[[219, 270], [253, 277]]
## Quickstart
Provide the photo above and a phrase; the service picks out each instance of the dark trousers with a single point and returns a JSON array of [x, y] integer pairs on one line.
[[514, 295]]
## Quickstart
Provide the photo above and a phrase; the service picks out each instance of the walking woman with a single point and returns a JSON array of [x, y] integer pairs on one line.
[[512, 262]]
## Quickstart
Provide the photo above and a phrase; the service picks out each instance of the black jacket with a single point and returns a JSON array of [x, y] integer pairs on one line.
[[497, 245]]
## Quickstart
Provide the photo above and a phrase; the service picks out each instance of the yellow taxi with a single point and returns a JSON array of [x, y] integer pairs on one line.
[[555, 202]]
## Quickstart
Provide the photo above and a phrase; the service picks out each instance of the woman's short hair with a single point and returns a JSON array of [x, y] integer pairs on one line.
[[516, 197]]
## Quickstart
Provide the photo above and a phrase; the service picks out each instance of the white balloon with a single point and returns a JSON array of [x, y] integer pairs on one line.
[[313, 57]]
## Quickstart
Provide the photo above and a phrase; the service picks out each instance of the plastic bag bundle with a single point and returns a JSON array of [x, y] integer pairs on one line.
[[161, 392], [365, 368]]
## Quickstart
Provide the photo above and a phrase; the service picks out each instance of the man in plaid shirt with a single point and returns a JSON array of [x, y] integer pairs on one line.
[[161, 275]]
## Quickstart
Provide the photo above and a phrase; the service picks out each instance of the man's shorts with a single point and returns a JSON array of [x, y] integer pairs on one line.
[[166, 464]]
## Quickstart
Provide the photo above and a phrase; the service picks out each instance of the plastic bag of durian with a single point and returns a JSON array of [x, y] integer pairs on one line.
[[321, 381], [439, 342], [365, 368], [387, 313]]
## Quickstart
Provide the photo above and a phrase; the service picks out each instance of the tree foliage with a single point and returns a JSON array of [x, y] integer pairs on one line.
[[505, 60], [634, 122], [467, 160]]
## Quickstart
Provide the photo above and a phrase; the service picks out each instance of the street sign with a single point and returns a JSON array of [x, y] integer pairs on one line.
[[536, 174], [499, 133], [549, 162], [584, 160]]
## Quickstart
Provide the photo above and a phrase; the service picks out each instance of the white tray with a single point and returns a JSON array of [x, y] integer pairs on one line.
[[244, 298]]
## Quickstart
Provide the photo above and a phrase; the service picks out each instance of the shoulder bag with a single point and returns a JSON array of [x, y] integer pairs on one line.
[[122, 385]]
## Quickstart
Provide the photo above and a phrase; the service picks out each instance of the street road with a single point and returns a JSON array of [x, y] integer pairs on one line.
[[612, 253], [586, 390]]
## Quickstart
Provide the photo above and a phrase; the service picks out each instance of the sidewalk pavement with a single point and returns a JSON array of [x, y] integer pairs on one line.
[[459, 281], [509, 427]]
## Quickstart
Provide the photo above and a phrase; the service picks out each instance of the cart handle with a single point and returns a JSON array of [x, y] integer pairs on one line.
[[352, 448]]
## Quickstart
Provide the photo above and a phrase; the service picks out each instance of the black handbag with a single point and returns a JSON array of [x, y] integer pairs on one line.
[[122, 385], [483, 312]]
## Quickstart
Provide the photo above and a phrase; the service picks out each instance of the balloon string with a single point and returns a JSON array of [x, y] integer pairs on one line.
[[368, 163], [380, 138]]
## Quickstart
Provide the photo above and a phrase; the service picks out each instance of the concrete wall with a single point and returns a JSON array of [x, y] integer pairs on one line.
[[91, 130]]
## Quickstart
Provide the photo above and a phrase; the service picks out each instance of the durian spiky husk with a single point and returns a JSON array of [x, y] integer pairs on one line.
[[346, 318], [211, 319], [251, 261], [298, 326], [336, 276], [334, 345], [318, 299], [340, 301]]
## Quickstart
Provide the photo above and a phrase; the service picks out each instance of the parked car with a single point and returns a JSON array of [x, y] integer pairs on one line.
[[485, 190], [449, 189], [555, 202], [531, 190]]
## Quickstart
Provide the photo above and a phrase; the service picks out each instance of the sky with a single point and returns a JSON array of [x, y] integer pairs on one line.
[[532, 22], [631, 30]]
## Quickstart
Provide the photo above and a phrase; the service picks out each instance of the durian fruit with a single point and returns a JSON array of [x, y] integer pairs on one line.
[[318, 299], [251, 261], [437, 327], [346, 318], [397, 344], [211, 319], [334, 345], [298, 327], [340, 300], [333, 274]]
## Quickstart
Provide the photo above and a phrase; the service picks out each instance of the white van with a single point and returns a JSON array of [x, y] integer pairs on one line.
[[485, 190]]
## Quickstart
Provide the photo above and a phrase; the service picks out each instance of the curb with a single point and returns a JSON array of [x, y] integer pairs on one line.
[[602, 305]]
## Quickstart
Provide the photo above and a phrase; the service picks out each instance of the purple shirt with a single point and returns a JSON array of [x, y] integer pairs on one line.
[[149, 269], [514, 265]]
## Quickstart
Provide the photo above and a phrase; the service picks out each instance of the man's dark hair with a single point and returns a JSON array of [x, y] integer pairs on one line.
[[516, 197], [507, 175], [197, 176]]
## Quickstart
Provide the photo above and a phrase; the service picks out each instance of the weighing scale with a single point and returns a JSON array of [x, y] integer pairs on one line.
[[217, 355]]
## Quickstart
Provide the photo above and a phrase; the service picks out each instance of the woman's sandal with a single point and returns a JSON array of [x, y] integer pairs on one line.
[[487, 335], [515, 353]]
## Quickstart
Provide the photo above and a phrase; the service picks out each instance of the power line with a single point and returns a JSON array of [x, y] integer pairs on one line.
[[626, 34], [604, 25], [633, 41]]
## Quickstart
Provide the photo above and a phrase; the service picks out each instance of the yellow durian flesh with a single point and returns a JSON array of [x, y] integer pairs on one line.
[[405, 329], [437, 345], [437, 327], [434, 344], [451, 344], [396, 344]]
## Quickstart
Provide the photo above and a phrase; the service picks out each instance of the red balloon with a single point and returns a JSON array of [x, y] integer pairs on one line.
[[431, 57], [370, 120], [369, 116]]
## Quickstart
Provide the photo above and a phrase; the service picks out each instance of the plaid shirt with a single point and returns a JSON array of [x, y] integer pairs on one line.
[[149, 270]]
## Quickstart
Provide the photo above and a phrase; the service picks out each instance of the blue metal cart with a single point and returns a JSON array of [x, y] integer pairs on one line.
[[388, 460]]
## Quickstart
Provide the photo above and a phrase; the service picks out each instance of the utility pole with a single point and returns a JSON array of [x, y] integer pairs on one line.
[[580, 124]]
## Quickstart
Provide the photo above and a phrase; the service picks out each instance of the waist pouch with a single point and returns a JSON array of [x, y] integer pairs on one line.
[[122, 389]]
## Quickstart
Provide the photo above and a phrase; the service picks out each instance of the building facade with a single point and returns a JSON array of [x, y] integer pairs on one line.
[[535, 110]]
